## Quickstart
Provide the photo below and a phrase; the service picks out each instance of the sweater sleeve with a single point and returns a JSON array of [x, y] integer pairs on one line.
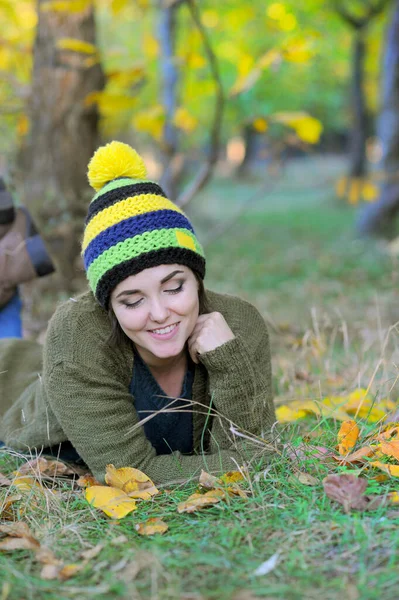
[[97, 415], [241, 379]]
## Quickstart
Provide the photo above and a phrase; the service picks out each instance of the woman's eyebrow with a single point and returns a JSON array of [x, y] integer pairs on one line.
[[164, 280]]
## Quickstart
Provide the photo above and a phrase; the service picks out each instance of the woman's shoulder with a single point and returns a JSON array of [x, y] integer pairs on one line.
[[79, 326], [240, 314]]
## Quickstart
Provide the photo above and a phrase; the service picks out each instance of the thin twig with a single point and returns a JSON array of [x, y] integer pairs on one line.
[[206, 170]]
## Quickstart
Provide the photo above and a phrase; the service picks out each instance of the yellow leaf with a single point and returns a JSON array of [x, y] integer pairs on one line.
[[369, 191], [298, 51], [71, 6], [276, 11], [306, 127], [76, 45], [118, 5], [133, 482], [198, 501], [195, 60], [210, 18], [288, 22], [358, 456], [151, 526], [112, 501], [394, 497], [355, 188], [183, 120], [23, 125], [392, 470], [232, 477], [150, 46], [25, 483], [347, 436], [150, 121], [110, 104], [390, 448], [260, 124]]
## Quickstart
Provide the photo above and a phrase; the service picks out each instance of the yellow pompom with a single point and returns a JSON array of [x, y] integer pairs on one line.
[[113, 160]]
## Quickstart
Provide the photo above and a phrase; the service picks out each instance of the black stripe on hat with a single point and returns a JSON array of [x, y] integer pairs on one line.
[[165, 256], [121, 193]]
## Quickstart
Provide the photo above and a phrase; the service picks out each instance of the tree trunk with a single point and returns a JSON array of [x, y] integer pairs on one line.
[[249, 137], [63, 134], [378, 218], [169, 77], [359, 110]]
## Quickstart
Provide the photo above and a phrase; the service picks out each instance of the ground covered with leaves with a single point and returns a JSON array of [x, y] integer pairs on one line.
[[319, 519]]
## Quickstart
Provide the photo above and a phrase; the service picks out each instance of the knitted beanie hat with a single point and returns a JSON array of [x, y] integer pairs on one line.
[[131, 225]]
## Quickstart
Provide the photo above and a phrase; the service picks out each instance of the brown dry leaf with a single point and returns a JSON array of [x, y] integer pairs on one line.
[[305, 478], [358, 456], [4, 481], [133, 482], [19, 537], [348, 490], [389, 432], [208, 481], [392, 470], [43, 466], [390, 448], [198, 501], [87, 480], [151, 526], [235, 490], [114, 502], [347, 436], [92, 552], [5, 512]]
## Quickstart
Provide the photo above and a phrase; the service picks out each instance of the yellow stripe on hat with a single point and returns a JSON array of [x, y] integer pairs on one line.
[[130, 207]]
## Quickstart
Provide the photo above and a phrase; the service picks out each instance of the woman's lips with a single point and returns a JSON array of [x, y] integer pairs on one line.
[[164, 336]]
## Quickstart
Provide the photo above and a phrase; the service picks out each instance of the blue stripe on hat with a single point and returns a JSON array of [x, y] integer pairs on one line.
[[129, 228]]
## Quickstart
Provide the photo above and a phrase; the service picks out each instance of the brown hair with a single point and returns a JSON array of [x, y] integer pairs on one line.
[[118, 337]]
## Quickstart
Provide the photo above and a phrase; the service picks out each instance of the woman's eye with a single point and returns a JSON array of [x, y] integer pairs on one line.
[[132, 304], [175, 290]]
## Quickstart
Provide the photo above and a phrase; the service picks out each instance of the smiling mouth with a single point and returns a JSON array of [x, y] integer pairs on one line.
[[164, 330]]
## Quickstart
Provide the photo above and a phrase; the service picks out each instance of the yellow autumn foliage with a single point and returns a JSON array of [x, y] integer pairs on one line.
[[76, 45]]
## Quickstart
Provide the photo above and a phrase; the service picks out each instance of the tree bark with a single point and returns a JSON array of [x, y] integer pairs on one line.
[[379, 217], [169, 77], [63, 132], [249, 137], [358, 164]]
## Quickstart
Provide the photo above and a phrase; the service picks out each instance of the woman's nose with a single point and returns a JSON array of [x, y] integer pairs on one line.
[[158, 311]]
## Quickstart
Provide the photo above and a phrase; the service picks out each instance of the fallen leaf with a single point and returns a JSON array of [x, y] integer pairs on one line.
[[232, 477], [4, 481], [26, 483], [133, 482], [390, 448], [305, 478], [358, 456], [207, 481], [92, 552], [19, 537], [5, 513], [151, 526], [87, 480], [346, 489], [392, 470], [198, 501], [347, 436], [112, 501], [268, 565]]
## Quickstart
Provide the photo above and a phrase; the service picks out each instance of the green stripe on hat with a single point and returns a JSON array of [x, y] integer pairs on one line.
[[140, 244]]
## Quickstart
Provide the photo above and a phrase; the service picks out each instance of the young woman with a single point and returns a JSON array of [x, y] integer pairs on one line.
[[147, 369]]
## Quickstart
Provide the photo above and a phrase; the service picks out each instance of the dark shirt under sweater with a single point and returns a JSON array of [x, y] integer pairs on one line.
[[169, 430]]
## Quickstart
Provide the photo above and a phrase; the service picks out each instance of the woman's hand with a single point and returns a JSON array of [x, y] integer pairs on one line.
[[210, 332]]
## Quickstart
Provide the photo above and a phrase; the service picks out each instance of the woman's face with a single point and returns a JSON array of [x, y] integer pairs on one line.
[[158, 309]]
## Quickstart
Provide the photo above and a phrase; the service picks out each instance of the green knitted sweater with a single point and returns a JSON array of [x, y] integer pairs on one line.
[[77, 389]]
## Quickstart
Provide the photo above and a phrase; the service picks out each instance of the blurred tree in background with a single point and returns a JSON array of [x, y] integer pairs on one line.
[[188, 83]]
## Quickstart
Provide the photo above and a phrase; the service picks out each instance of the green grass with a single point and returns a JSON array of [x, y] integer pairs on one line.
[[329, 300]]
